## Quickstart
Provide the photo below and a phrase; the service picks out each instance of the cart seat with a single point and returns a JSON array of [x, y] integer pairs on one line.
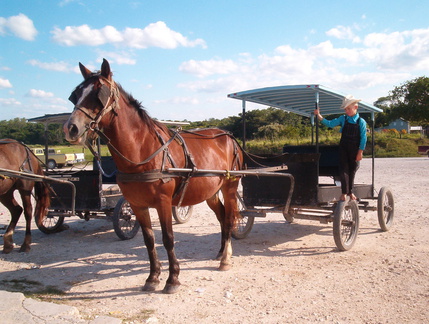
[[329, 157]]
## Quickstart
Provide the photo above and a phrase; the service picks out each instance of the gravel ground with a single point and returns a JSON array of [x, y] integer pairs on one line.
[[282, 273]]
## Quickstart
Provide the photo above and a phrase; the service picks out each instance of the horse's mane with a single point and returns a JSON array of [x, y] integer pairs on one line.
[[141, 111], [143, 114]]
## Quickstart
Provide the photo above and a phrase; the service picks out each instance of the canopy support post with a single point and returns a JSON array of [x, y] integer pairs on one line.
[[372, 149], [316, 106], [243, 103]]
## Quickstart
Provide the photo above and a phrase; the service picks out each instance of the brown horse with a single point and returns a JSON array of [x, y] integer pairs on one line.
[[17, 157], [143, 150]]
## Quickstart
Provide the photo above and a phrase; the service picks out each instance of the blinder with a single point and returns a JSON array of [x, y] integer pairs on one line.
[[104, 94], [73, 98]]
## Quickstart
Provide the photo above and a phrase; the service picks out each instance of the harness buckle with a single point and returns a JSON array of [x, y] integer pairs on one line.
[[93, 126]]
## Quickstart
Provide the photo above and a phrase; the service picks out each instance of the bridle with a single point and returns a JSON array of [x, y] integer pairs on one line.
[[109, 97]]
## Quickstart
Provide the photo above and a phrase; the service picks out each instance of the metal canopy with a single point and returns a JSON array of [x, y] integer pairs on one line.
[[51, 118], [301, 99]]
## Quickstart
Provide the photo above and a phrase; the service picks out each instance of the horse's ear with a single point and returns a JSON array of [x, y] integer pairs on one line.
[[105, 70], [85, 72]]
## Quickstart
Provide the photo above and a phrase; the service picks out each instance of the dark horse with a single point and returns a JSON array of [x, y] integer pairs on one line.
[[17, 157], [143, 150]]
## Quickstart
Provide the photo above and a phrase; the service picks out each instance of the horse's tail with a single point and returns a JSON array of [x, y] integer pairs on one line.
[[43, 200]]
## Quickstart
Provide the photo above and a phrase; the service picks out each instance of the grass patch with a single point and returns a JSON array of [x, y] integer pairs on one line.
[[31, 288], [386, 145], [141, 317]]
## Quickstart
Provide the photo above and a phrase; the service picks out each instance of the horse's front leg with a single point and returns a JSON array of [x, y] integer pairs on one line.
[[28, 213], [15, 212], [143, 218], [165, 218]]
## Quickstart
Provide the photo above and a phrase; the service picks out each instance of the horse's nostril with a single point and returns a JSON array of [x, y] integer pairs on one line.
[[73, 130]]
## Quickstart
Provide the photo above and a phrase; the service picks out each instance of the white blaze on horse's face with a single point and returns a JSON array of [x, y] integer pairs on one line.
[[85, 94], [76, 126]]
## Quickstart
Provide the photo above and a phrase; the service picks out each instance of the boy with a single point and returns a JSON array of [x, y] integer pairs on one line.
[[352, 143]]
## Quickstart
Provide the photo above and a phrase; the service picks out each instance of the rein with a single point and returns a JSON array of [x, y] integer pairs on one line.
[[110, 145]]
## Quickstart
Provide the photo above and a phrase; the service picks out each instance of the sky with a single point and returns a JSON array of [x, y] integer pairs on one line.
[[181, 58]]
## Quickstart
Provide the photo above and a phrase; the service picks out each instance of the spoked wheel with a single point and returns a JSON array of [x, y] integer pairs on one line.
[[125, 223], [244, 223], [346, 224], [50, 223], [385, 208], [182, 214]]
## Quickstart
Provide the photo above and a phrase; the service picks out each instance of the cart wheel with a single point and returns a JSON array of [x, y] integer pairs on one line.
[[385, 208], [182, 214], [244, 223], [346, 224], [50, 223], [125, 223]]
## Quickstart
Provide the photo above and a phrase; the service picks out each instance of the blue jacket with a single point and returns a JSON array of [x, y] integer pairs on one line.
[[340, 121]]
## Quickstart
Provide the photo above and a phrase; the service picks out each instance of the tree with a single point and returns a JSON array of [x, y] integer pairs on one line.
[[411, 101], [385, 117]]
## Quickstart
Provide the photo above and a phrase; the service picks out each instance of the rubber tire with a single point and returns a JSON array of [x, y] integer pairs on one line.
[[244, 223], [51, 164], [345, 234], [182, 214], [385, 208], [50, 224], [124, 221]]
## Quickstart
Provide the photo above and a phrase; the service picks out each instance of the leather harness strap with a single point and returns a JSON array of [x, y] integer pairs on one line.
[[152, 175]]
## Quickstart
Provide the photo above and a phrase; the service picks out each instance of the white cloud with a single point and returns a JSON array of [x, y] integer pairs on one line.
[[53, 66], [154, 35], [9, 102], [178, 100], [343, 32], [122, 58], [66, 2], [39, 94], [5, 83], [209, 67], [399, 50], [381, 61], [21, 26]]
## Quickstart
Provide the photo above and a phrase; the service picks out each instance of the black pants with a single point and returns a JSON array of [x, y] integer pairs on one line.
[[348, 166]]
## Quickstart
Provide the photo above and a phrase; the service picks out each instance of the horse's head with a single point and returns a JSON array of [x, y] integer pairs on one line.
[[93, 99]]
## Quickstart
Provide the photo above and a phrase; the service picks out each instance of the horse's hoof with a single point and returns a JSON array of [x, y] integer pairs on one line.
[[150, 286], [225, 267], [25, 248], [171, 289], [7, 250]]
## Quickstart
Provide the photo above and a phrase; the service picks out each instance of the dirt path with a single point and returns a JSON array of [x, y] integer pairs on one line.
[[282, 273]]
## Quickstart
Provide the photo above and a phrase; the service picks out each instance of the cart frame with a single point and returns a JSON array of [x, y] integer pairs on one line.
[[316, 201]]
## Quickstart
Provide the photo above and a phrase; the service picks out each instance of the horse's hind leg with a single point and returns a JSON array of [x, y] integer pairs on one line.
[[28, 213], [15, 212], [216, 205], [226, 215], [143, 217]]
